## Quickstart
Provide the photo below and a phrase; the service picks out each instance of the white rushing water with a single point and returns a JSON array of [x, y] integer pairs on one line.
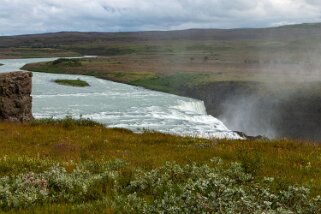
[[119, 105]]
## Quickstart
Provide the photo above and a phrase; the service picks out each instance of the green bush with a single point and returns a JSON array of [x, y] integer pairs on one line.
[[77, 82], [67, 62], [94, 187]]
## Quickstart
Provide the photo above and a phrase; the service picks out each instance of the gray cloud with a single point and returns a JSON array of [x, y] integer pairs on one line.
[[37, 16]]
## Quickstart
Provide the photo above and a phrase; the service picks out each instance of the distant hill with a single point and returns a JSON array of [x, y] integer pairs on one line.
[[75, 38]]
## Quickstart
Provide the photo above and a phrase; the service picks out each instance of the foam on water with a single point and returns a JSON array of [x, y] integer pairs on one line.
[[195, 106], [120, 105]]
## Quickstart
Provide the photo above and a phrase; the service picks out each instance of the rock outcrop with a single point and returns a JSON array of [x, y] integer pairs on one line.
[[248, 137], [274, 111], [15, 96]]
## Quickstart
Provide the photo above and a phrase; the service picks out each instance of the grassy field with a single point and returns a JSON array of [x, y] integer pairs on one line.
[[164, 73], [39, 146], [29, 52], [75, 83], [170, 72]]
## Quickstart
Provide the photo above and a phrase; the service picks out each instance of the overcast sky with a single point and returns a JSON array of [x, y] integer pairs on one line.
[[39, 16]]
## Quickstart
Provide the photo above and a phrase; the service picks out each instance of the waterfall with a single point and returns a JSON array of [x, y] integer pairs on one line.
[[195, 106]]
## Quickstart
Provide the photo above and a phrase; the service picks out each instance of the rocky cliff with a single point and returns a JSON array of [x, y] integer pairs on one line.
[[15, 96], [259, 109]]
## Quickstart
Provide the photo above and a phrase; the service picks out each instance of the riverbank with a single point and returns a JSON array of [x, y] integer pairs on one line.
[[38, 146], [243, 95]]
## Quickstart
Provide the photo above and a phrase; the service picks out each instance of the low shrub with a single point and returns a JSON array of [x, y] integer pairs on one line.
[[70, 82], [172, 188], [67, 62]]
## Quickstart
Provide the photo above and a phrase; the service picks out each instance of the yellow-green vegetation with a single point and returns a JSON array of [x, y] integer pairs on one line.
[[30, 149], [69, 82], [163, 73], [174, 72]]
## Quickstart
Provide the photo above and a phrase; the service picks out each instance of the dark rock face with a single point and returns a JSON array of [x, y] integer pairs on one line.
[[255, 109], [247, 137], [15, 96]]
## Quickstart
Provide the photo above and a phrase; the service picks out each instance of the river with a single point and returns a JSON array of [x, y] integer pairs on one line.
[[119, 105]]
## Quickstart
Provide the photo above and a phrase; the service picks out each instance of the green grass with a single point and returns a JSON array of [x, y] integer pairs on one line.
[[105, 68], [67, 62], [66, 140], [38, 146], [75, 83], [171, 83]]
